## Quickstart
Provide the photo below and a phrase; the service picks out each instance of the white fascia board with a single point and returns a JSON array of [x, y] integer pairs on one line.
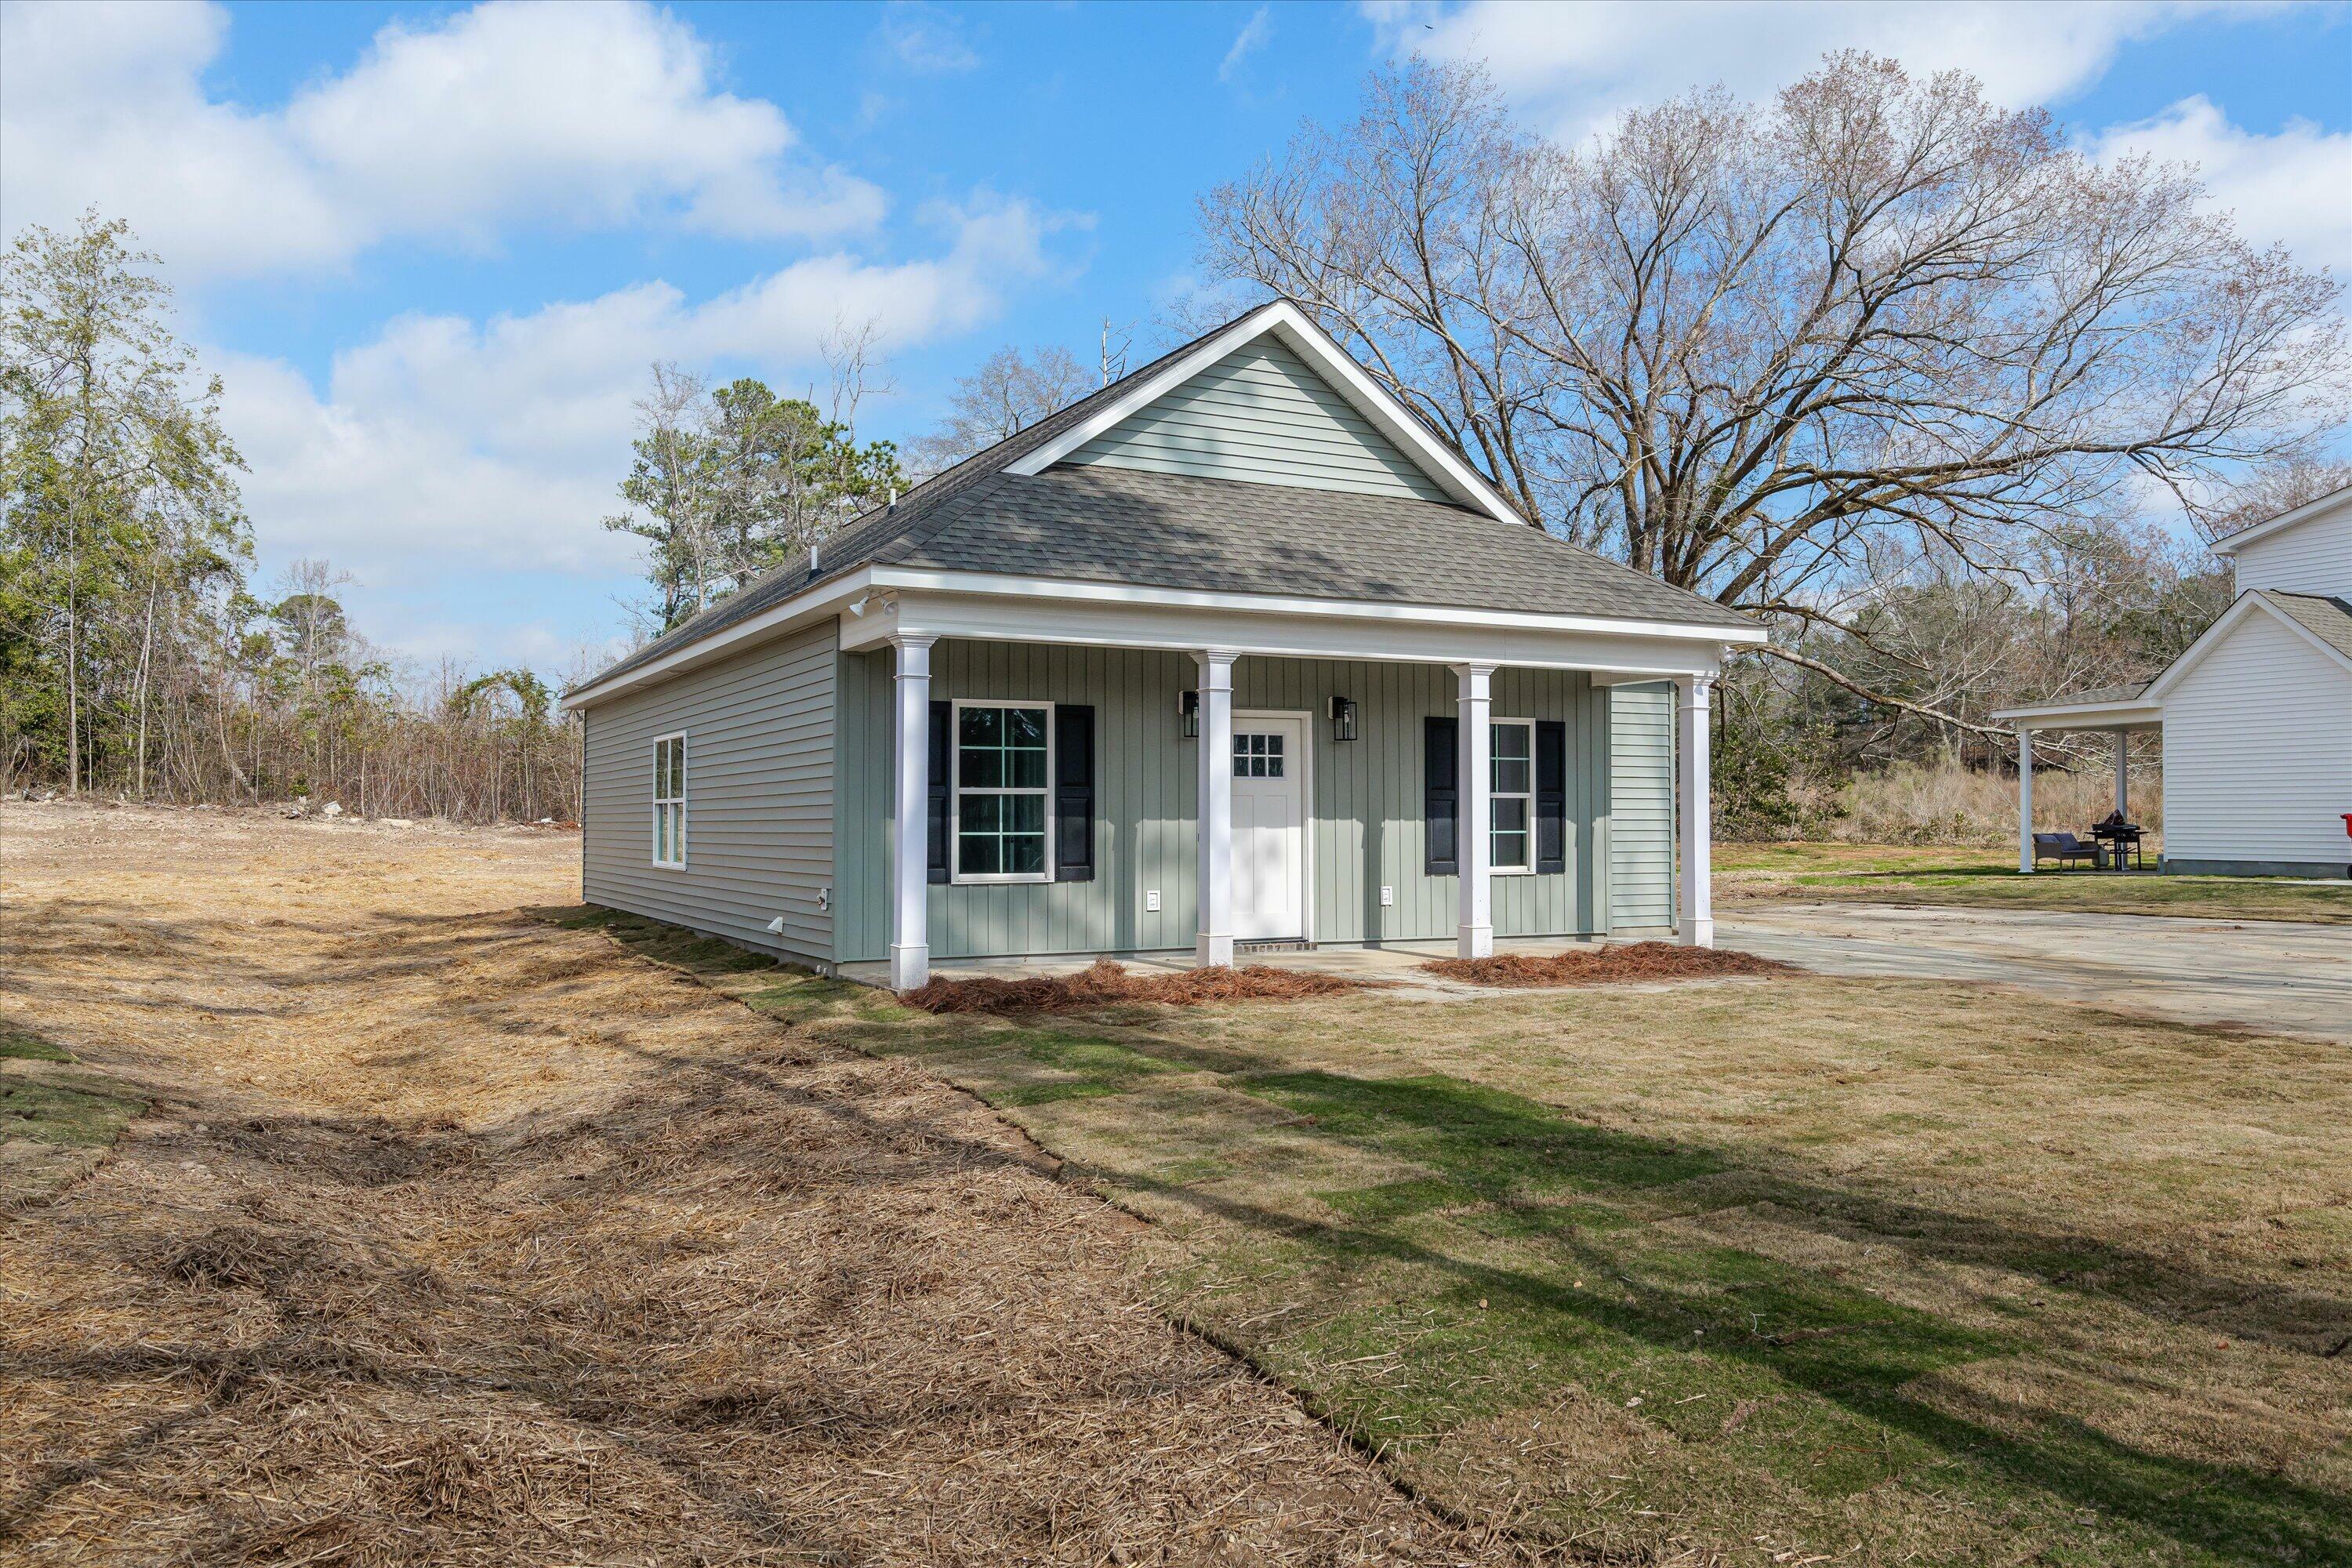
[[1652, 654], [1064, 591], [2283, 522], [2137, 714], [2249, 603], [800, 610], [1296, 330]]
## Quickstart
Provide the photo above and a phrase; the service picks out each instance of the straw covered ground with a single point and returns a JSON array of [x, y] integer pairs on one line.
[[453, 1235]]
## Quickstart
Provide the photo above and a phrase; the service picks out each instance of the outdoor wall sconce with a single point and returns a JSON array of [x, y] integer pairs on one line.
[[1343, 718], [1188, 713]]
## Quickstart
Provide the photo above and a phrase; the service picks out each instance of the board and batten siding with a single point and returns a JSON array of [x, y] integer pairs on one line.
[[1640, 805], [2258, 754], [759, 731], [1365, 801], [2314, 556], [1261, 415]]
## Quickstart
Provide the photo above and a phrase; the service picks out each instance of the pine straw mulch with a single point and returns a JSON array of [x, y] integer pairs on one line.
[[457, 1239], [1609, 966], [1104, 981]]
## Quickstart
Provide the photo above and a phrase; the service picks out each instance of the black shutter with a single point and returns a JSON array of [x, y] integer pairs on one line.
[[1551, 796], [943, 783], [1074, 793], [1440, 792]]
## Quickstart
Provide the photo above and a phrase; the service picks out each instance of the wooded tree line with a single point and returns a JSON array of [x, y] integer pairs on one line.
[[1899, 372], [137, 656]]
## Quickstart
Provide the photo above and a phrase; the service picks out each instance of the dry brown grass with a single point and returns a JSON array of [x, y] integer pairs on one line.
[[1608, 965], [1104, 982], [454, 1237]]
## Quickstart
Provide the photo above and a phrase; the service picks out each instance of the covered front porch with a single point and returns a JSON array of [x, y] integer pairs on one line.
[[2119, 712], [1291, 784]]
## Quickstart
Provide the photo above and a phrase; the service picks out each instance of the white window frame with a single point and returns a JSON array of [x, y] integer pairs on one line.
[[956, 872], [1494, 866], [662, 803]]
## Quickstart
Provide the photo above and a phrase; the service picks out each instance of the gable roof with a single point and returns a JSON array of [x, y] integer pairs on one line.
[[1009, 510], [2325, 623], [2283, 522]]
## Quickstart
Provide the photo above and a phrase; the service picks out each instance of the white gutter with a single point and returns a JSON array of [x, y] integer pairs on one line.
[[832, 596]]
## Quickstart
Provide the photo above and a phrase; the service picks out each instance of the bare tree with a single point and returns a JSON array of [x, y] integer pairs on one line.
[[1740, 346], [2264, 493], [1010, 392]]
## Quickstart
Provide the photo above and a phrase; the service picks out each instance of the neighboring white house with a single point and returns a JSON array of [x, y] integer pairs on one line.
[[2256, 714]]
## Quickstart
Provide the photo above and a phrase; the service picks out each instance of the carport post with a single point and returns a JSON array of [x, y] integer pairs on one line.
[[2025, 800], [2123, 774]]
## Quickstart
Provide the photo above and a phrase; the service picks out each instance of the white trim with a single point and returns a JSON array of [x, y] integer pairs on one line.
[[2282, 522], [807, 606], [1312, 343], [662, 802], [1305, 804], [2133, 713], [1474, 841], [1212, 876], [1493, 868], [1694, 783], [1009, 585], [2248, 602], [956, 873]]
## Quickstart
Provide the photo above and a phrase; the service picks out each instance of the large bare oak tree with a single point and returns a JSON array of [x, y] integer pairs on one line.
[[1761, 351]]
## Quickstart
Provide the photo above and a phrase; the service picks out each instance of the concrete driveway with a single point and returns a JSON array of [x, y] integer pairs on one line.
[[2283, 976]]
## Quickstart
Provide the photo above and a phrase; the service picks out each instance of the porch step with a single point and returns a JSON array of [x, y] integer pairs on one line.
[[1291, 946]]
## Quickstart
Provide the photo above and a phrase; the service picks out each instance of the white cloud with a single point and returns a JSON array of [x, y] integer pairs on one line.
[[1247, 42], [447, 450], [569, 114], [2295, 187], [1573, 66], [926, 41]]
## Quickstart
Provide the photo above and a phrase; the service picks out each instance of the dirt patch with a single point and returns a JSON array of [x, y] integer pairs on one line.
[[1104, 982], [1609, 966], [459, 1237]]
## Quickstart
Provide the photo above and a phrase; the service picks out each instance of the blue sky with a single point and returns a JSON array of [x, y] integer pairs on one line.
[[433, 249]]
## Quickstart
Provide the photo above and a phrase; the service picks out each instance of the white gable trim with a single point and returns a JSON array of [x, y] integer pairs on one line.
[[2248, 603], [2283, 522], [1313, 345]]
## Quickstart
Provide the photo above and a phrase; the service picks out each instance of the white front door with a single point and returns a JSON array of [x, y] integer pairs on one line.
[[1269, 828]]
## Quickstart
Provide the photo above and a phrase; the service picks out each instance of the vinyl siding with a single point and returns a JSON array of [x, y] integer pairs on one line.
[[1640, 805], [2311, 557], [1261, 415], [2258, 752], [760, 773], [1365, 801]]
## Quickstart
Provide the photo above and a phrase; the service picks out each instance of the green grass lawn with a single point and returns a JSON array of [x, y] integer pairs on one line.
[[1988, 879], [55, 1118], [1770, 1271]]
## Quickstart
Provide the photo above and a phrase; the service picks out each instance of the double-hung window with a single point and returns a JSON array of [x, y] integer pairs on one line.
[[669, 801], [1003, 764], [1512, 775]]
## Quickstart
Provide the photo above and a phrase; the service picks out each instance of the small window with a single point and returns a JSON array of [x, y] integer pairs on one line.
[[1004, 760], [669, 801], [1512, 771], [1257, 756]]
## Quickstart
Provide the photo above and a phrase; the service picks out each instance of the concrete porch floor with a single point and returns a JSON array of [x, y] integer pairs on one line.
[[1397, 964]]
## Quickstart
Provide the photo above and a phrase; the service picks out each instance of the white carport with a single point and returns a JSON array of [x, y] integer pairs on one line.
[[2119, 710]]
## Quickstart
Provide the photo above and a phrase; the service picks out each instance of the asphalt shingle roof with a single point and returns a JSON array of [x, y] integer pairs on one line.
[[1100, 524], [2329, 620]]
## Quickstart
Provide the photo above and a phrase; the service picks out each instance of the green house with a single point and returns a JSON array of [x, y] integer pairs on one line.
[[1234, 651]]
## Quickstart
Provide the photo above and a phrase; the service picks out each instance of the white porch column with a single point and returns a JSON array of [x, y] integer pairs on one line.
[[911, 940], [2025, 801], [1694, 785], [2123, 774], [1213, 882], [1474, 847]]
